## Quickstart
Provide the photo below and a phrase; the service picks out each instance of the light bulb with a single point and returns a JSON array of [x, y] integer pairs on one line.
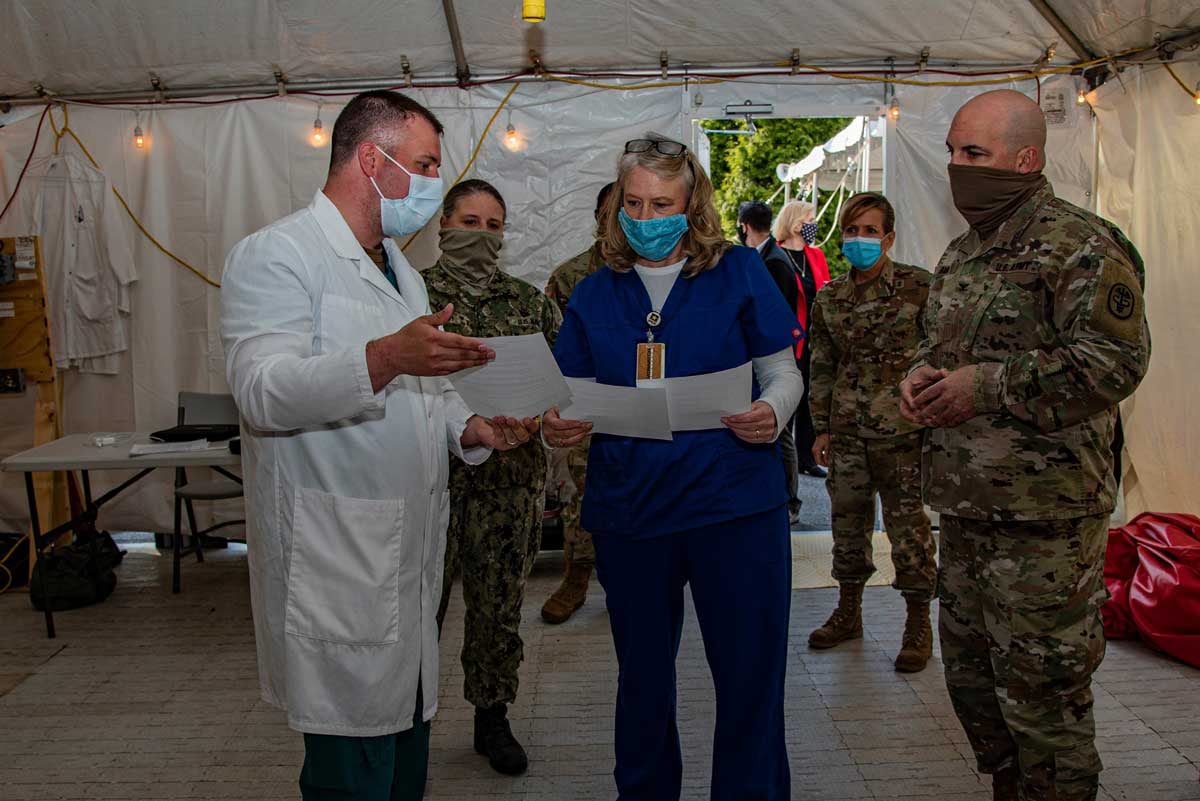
[[894, 110], [318, 133], [1081, 98], [533, 10], [512, 139], [139, 141], [1196, 96]]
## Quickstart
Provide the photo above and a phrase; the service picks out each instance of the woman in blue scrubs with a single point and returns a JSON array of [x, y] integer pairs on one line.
[[707, 509]]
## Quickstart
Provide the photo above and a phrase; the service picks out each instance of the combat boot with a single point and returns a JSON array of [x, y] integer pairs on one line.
[[846, 621], [917, 644], [569, 596], [494, 740], [1006, 784]]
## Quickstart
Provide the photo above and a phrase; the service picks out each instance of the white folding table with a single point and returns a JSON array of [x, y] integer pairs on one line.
[[77, 452]]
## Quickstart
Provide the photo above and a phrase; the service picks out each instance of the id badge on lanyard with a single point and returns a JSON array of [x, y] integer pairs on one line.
[[651, 355]]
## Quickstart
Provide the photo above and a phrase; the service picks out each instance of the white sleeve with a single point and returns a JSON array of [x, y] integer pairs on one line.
[[781, 383], [457, 415], [267, 328]]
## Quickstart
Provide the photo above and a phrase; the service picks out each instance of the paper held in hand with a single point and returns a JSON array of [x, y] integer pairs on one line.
[[522, 381]]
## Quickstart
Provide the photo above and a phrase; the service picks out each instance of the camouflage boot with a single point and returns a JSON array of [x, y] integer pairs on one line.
[[569, 596], [917, 645], [846, 621], [1006, 784]]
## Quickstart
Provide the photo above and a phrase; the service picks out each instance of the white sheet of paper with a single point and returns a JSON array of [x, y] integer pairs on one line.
[[698, 402], [621, 411], [522, 381]]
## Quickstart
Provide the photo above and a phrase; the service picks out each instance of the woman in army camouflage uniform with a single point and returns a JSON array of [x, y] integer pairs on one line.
[[864, 331], [495, 507]]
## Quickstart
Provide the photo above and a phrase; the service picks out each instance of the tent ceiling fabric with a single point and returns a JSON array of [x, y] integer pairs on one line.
[[79, 46]]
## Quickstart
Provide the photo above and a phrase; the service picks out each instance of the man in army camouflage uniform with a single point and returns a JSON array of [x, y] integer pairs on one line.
[[864, 332], [496, 507], [1035, 330], [579, 556]]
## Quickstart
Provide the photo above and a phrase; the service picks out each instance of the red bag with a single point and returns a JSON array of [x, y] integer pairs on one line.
[[1152, 570]]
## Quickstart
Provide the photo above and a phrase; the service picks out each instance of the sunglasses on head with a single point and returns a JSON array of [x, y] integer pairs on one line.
[[662, 146]]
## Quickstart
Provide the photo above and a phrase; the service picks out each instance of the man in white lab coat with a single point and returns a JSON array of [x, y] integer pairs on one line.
[[336, 365]]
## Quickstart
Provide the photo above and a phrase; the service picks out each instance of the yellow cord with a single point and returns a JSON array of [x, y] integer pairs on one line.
[[474, 154], [1179, 81], [4, 566], [66, 130]]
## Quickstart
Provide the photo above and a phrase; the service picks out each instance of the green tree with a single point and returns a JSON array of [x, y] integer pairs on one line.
[[743, 168]]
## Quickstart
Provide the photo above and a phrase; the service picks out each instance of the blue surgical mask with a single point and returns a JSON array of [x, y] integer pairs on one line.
[[862, 251], [407, 215], [653, 239]]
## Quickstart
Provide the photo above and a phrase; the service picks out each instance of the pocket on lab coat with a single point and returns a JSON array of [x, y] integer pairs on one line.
[[343, 580]]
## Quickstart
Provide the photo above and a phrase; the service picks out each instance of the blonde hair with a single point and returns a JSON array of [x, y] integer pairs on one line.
[[703, 244], [790, 218]]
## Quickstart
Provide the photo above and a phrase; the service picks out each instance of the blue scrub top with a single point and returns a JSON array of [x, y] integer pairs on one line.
[[721, 318]]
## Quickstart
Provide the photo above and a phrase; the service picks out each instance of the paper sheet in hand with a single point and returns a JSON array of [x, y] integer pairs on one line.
[[698, 402], [522, 381], [621, 411]]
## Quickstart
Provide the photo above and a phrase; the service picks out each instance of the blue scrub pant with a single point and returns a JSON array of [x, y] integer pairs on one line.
[[740, 576]]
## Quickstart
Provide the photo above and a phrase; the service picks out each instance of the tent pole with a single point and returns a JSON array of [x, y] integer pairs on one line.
[[463, 70], [1044, 8]]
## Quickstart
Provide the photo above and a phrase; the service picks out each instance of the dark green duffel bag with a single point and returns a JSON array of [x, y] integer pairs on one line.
[[81, 574]]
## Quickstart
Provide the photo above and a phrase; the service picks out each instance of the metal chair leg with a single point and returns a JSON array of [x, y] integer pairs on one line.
[[197, 540], [176, 546]]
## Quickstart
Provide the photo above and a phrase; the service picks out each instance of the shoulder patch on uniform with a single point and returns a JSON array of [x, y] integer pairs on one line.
[[1117, 306]]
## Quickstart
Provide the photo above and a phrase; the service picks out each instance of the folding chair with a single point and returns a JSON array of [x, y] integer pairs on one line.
[[201, 408]]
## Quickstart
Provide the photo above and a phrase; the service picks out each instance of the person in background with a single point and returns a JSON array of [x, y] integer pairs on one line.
[[579, 554], [1035, 330], [754, 230], [707, 509], [865, 329], [796, 230], [495, 508], [337, 370]]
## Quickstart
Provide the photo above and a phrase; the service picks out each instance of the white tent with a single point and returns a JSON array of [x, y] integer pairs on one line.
[[226, 92]]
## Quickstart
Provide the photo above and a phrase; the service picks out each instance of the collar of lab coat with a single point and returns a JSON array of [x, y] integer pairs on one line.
[[346, 246]]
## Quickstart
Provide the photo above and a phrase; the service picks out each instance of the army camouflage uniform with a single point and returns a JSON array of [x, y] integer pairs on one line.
[[1050, 308], [577, 543], [863, 339], [496, 507]]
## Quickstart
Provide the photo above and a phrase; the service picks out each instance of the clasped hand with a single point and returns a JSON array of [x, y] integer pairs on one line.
[[939, 398]]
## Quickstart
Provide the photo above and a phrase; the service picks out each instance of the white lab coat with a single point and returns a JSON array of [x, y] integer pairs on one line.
[[346, 496], [88, 260]]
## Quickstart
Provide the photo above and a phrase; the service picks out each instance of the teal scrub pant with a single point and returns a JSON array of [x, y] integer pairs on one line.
[[390, 767]]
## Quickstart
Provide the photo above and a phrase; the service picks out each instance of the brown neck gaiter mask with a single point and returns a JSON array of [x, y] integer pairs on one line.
[[986, 196]]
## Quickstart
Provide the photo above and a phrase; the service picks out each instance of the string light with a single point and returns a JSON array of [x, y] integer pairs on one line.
[[894, 110], [533, 10], [1081, 97], [318, 130], [512, 139], [1196, 95], [139, 139]]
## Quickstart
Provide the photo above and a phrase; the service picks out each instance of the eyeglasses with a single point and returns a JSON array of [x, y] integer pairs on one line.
[[663, 146]]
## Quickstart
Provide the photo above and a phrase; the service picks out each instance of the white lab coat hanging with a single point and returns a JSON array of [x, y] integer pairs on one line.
[[345, 488]]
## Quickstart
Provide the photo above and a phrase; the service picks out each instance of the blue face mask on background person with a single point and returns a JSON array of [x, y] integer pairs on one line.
[[407, 215], [862, 251], [653, 239]]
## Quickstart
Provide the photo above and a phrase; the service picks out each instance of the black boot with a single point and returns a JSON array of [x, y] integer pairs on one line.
[[494, 739]]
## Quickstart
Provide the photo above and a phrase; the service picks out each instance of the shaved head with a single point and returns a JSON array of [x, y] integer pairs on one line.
[[1002, 129]]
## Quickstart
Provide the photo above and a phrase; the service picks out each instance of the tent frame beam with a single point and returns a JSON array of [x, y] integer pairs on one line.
[[1051, 16], [462, 69]]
